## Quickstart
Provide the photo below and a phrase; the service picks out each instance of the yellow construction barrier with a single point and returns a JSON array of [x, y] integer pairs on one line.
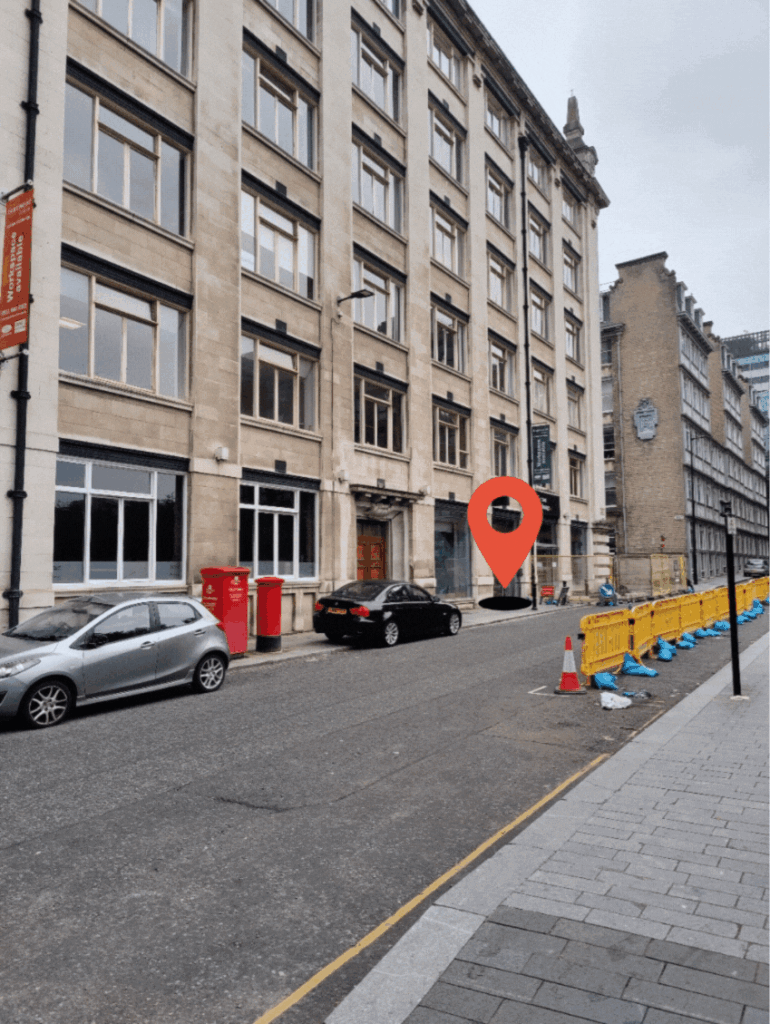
[[762, 588], [606, 641], [723, 603], [667, 620], [694, 608], [640, 625], [742, 601], [710, 607]]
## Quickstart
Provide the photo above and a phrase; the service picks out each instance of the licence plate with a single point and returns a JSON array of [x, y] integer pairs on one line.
[[337, 611]]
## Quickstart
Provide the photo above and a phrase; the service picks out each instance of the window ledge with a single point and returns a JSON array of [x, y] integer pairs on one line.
[[255, 134], [574, 295], [284, 23], [508, 152], [449, 369], [385, 453], [449, 177], [115, 388], [540, 264], [280, 428], [577, 498], [258, 279], [371, 333], [544, 415], [504, 228], [396, 21], [380, 224], [575, 362], [545, 341], [572, 227], [577, 430], [452, 274], [383, 113], [504, 311], [448, 81], [129, 215], [446, 468], [119, 585], [502, 394], [537, 188], [129, 43]]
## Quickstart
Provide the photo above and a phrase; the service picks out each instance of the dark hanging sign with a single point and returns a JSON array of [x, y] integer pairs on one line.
[[551, 507], [541, 455]]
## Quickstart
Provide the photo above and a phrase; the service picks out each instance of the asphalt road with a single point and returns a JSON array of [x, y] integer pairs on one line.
[[182, 859]]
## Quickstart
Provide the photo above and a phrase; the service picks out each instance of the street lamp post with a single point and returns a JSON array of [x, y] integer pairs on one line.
[[726, 511]]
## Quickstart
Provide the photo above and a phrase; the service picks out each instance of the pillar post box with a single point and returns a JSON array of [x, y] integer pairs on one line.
[[269, 613], [226, 595]]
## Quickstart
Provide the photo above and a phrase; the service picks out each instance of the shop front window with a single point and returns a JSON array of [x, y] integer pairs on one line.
[[452, 550]]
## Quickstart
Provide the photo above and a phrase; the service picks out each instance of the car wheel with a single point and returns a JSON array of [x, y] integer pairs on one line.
[[209, 673], [453, 624], [390, 634], [47, 703], [334, 636]]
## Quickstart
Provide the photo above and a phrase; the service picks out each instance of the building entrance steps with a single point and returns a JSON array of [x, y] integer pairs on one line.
[[640, 896]]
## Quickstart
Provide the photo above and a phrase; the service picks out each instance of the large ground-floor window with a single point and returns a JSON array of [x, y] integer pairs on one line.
[[116, 522], [452, 549], [278, 531]]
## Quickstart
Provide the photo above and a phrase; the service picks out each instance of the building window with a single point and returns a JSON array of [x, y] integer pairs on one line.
[[733, 435], [160, 26], [378, 415], [607, 402], [695, 402], [498, 198], [446, 145], [277, 384], [538, 238], [732, 400], [375, 76], [444, 56], [570, 208], [693, 357], [571, 272], [539, 309], [610, 490], [376, 188], [112, 335], [447, 339], [135, 168], [298, 13], [576, 475], [537, 169], [541, 391], [501, 368], [382, 311], [503, 453], [609, 441], [447, 241], [286, 247], [572, 339], [500, 282], [278, 110], [574, 408], [450, 437], [496, 119], [115, 522], [606, 351], [278, 531]]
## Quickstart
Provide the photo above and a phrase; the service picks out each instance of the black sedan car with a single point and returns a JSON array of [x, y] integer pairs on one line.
[[386, 611]]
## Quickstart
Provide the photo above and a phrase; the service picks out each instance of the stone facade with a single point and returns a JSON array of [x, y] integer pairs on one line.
[[213, 395]]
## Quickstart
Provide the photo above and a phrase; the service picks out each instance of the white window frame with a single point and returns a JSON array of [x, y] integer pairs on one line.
[[496, 119], [444, 323], [608, 397], [151, 498], [444, 56], [302, 16], [502, 368], [257, 507], [542, 390], [258, 215], [576, 476], [390, 399], [298, 366], [498, 198], [503, 452], [574, 407], [261, 77], [372, 177], [118, 301], [572, 339], [388, 298], [571, 270], [452, 237], [570, 209], [449, 426], [537, 169], [445, 137], [539, 313], [164, 6], [499, 282], [365, 62], [537, 233]]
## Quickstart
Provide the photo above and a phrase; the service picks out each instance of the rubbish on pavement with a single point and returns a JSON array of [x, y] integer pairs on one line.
[[605, 681], [638, 696], [633, 668], [569, 682], [612, 702]]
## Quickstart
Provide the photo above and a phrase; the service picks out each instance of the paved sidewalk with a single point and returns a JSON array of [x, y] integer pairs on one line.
[[638, 898]]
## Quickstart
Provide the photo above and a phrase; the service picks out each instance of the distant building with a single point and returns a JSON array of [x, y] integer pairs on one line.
[[682, 430], [751, 353]]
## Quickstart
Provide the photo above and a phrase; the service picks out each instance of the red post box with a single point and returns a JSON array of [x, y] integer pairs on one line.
[[269, 613], [226, 595]]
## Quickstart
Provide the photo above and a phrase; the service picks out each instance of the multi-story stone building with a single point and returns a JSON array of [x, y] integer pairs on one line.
[[751, 353], [682, 430], [214, 180]]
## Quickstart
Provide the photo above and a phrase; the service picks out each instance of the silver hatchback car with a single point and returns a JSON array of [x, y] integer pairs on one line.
[[103, 646]]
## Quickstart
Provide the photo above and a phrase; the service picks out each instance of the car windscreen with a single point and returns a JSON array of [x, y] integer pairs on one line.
[[362, 590], [58, 623]]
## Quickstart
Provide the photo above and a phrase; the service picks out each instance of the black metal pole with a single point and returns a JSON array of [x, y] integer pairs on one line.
[[17, 495], [523, 146], [727, 514]]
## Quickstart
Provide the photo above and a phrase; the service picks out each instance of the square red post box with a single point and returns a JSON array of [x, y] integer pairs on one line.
[[269, 613], [226, 595]]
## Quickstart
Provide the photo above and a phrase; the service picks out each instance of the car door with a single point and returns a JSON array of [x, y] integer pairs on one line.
[[119, 652], [397, 603], [425, 613], [181, 639]]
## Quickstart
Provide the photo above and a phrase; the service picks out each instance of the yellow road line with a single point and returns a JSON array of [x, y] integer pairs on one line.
[[325, 972]]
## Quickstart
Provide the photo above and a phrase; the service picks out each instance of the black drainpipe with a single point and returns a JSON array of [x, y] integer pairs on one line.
[[14, 594], [523, 146]]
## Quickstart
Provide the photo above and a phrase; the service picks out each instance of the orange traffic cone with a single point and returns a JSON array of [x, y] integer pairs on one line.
[[569, 677]]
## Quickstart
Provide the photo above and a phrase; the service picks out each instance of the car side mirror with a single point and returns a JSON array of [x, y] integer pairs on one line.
[[435, 598]]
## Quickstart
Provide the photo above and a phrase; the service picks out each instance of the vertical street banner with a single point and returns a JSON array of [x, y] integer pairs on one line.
[[541, 455], [17, 248]]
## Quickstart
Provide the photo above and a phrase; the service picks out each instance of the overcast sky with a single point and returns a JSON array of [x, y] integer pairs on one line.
[[673, 94]]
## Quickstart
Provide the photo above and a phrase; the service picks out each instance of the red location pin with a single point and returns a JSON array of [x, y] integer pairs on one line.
[[505, 552]]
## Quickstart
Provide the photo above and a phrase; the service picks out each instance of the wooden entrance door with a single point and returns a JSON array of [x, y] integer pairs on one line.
[[371, 558]]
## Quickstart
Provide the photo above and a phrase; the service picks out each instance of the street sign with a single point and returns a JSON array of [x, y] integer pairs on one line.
[[541, 455], [14, 285], [731, 527]]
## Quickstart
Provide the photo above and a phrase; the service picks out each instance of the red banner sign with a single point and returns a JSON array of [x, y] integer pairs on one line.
[[14, 294]]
